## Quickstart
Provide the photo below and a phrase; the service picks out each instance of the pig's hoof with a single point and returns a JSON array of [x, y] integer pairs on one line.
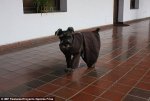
[[69, 70]]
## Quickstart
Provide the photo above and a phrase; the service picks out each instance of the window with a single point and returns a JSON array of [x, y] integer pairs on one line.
[[44, 6], [134, 4]]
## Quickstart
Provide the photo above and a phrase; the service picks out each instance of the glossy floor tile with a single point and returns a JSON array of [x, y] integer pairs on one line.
[[122, 71]]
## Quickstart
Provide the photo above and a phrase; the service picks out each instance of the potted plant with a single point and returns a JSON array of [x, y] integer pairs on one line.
[[43, 6]]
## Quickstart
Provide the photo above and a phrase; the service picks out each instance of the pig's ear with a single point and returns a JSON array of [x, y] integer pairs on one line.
[[58, 32], [70, 29]]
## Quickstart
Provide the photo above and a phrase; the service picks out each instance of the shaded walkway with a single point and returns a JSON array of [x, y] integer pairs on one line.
[[122, 71]]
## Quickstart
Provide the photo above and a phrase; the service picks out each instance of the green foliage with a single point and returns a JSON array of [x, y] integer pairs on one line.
[[44, 6]]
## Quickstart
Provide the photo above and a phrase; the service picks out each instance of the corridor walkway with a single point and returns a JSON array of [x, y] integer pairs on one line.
[[122, 72]]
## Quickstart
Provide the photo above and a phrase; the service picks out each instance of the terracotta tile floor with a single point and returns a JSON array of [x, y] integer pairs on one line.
[[122, 72]]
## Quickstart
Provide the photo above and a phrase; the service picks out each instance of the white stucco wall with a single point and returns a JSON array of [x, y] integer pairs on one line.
[[16, 26], [142, 12]]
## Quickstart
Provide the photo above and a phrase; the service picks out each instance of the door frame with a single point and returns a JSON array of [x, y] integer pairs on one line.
[[118, 12]]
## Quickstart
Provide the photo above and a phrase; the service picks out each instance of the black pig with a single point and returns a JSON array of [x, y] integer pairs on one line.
[[76, 44]]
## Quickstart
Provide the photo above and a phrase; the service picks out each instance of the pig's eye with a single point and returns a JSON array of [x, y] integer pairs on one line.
[[69, 40], [61, 41]]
